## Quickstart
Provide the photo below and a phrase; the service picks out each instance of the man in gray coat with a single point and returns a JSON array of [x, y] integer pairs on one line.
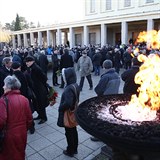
[[85, 67]]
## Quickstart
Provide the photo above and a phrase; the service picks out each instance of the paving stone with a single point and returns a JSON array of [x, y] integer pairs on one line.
[[44, 131], [36, 156], [93, 145], [51, 152], [83, 152], [55, 137], [40, 144], [33, 137], [29, 151], [83, 136]]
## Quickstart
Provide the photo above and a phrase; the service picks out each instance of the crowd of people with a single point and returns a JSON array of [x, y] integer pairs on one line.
[[25, 69]]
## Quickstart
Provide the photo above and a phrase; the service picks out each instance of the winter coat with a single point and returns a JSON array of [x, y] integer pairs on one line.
[[43, 62], [68, 98], [97, 59], [128, 77], [4, 72], [109, 83], [19, 120], [21, 77], [85, 66], [66, 61], [39, 80], [55, 61]]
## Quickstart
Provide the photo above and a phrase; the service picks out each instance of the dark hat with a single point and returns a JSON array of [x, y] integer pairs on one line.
[[16, 65], [107, 64], [29, 58]]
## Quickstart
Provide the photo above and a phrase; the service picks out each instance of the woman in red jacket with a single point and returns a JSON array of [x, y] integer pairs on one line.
[[18, 117]]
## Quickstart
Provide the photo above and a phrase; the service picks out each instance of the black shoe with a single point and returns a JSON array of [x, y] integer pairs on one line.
[[67, 154], [37, 118], [32, 130], [94, 139], [90, 88], [61, 87], [42, 121], [75, 152], [57, 84]]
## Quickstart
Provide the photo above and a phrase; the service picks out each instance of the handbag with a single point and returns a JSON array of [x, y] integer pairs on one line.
[[3, 131], [69, 116]]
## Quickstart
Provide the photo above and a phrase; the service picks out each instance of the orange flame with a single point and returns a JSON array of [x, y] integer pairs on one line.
[[149, 79], [151, 37]]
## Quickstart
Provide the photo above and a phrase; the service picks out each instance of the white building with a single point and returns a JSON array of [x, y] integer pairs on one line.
[[105, 21]]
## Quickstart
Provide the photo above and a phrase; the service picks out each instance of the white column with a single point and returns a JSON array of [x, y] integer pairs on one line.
[[59, 37], [25, 41], [150, 24], [103, 34], [124, 32], [71, 40], [85, 31], [53, 38], [48, 38], [19, 40], [39, 38], [32, 38], [14, 41]]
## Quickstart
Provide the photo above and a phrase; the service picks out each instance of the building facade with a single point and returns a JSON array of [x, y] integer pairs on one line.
[[105, 22]]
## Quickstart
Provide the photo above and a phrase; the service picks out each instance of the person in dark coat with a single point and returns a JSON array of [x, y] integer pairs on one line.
[[43, 62], [18, 121], [65, 62], [5, 70], [1, 57], [109, 82], [39, 80], [68, 100], [96, 59], [55, 67], [127, 58], [128, 77], [117, 60]]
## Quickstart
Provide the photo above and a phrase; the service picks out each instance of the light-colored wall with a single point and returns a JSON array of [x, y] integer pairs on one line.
[[138, 7]]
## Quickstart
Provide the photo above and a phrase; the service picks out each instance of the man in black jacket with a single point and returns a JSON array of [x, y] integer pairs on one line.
[[65, 62], [128, 76]]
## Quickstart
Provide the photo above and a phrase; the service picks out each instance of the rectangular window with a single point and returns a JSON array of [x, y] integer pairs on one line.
[[78, 39], [127, 3], [92, 38], [149, 1], [92, 6], [108, 4]]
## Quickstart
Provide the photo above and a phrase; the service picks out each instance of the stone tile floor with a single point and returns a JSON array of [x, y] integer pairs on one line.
[[48, 141]]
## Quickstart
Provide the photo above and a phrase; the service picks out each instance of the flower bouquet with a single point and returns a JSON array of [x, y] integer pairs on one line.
[[52, 95]]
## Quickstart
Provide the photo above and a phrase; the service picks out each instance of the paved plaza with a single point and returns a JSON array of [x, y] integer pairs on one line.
[[48, 141]]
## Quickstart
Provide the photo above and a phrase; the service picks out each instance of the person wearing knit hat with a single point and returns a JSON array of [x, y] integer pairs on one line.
[[109, 82], [107, 64]]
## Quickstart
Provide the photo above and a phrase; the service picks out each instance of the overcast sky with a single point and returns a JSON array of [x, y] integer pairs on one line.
[[44, 11]]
